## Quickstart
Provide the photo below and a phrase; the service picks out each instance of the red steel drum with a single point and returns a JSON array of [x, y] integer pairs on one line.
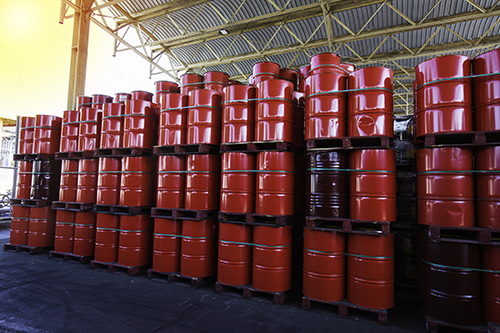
[[327, 184], [303, 74], [137, 181], [90, 129], [324, 265], [326, 63], [238, 114], [24, 177], [275, 188], [486, 91], [173, 119], [274, 111], [237, 194], [215, 81], [488, 187], [202, 182], [171, 181], [41, 226], [370, 111], [298, 118], [167, 245], [121, 97], [272, 258], [370, 270], [490, 260], [326, 107], [443, 95], [235, 259], [98, 101], [69, 180], [190, 82], [140, 125], [204, 117], [45, 180], [19, 225], [69, 131], [112, 125], [136, 240], [83, 101], [199, 248], [108, 181], [348, 67], [87, 180], [85, 224], [445, 190], [26, 135], [234, 83], [106, 237], [451, 291], [142, 95], [64, 232], [47, 134], [165, 87], [372, 185], [263, 71], [290, 75]]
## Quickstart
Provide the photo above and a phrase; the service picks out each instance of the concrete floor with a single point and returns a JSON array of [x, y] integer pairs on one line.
[[38, 294]]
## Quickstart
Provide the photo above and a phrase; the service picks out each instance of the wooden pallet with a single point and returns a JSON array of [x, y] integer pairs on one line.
[[350, 142], [194, 282], [33, 157], [433, 324], [257, 219], [187, 149], [343, 309], [70, 257], [452, 139], [493, 327], [26, 248], [122, 210], [259, 146], [333, 224], [74, 155], [114, 267], [123, 152], [30, 202], [251, 293], [72, 206], [183, 214], [463, 234]]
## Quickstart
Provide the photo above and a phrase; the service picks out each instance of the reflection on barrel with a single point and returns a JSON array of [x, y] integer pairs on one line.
[[487, 91]]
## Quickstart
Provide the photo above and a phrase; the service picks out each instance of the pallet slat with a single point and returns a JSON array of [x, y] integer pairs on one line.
[[114, 267], [381, 228], [257, 219], [249, 292], [25, 248], [463, 234], [186, 149], [70, 257], [350, 142], [194, 282], [121, 210], [183, 214], [433, 324]]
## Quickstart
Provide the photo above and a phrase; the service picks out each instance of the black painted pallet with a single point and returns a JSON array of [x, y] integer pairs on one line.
[[123, 152], [183, 214], [70, 257], [114, 267], [433, 324], [194, 282], [72, 206], [122, 210], [33, 157], [350, 142], [26, 248], [470, 235], [453, 139], [257, 219], [259, 146], [337, 224], [187, 149], [251, 293], [30, 202], [74, 155]]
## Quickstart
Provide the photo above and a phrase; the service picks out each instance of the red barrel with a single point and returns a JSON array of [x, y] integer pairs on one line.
[[90, 129], [237, 183], [327, 184], [445, 188], [443, 95], [98, 101], [173, 119], [108, 181], [216, 81], [370, 109], [142, 95], [274, 111], [298, 118], [487, 91], [83, 102], [204, 117], [139, 129], [372, 185], [41, 227], [69, 131], [165, 87], [69, 180], [325, 106], [87, 180], [488, 187], [121, 97], [275, 188], [47, 134], [46, 179], [272, 258], [106, 237], [26, 135], [490, 281], [235, 254], [370, 270], [326, 63], [238, 114], [202, 182], [137, 181], [264, 71], [136, 235], [24, 177], [112, 125], [64, 232], [167, 245], [171, 181], [190, 82], [303, 74], [199, 248], [234, 83], [289, 75], [19, 225], [324, 265], [85, 224]]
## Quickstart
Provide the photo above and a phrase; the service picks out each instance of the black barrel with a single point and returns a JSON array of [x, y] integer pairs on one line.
[[45, 181]]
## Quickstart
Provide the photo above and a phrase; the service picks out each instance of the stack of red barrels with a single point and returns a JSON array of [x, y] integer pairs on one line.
[[450, 91], [33, 220], [348, 186]]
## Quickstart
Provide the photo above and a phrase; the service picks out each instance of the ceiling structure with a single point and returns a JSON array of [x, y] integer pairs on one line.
[[198, 36]]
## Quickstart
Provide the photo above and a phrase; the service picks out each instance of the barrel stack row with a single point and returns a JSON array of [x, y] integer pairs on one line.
[[458, 187]]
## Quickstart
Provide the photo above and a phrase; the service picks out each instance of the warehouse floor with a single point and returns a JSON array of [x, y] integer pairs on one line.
[[38, 294]]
